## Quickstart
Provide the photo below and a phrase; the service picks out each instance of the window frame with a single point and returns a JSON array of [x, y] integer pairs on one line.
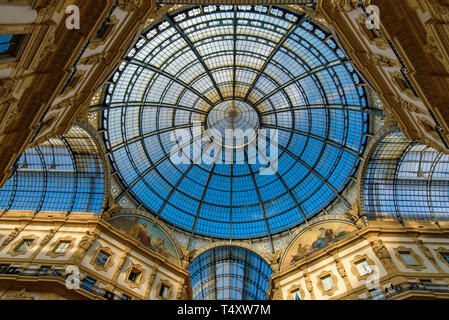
[[19, 40], [400, 251], [132, 268], [106, 251], [13, 250], [54, 246], [164, 283]]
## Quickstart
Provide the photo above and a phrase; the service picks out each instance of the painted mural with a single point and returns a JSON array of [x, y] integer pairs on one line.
[[316, 238], [148, 235]]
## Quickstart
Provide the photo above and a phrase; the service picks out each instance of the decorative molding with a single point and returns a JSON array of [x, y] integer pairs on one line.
[[108, 263], [12, 251], [158, 289], [419, 261], [440, 251], [151, 279], [355, 271], [182, 290], [51, 252], [320, 287], [120, 264], [139, 281], [384, 256], [348, 5], [293, 289], [383, 61], [11, 237], [84, 245], [21, 295], [428, 254], [275, 259]]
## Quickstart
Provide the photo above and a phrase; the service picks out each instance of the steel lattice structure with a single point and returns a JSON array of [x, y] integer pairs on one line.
[[287, 69], [229, 273], [405, 180], [63, 174]]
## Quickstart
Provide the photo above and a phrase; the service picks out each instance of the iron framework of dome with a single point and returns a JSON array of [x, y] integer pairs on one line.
[[229, 273], [276, 70]]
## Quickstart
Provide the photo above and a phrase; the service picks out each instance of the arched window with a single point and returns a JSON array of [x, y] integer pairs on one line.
[[63, 174], [406, 180], [229, 273]]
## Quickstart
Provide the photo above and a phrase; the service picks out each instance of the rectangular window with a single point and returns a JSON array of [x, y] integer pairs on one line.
[[62, 246], [88, 283], [427, 283], [363, 267], [23, 245], [296, 295], [445, 256], [408, 259], [44, 270], [376, 294], [57, 272], [10, 45], [327, 282], [4, 268], [134, 275], [163, 292], [102, 258], [5, 42], [109, 295]]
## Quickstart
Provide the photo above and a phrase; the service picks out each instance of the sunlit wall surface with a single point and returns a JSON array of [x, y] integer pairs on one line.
[[229, 273], [293, 76], [63, 174], [406, 180]]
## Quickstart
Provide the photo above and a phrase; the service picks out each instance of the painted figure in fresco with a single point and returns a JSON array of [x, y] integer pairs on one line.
[[160, 247], [321, 242], [139, 232], [326, 237]]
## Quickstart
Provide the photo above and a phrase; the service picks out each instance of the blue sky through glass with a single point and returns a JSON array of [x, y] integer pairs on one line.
[[5, 40], [229, 273], [64, 174], [288, 69]]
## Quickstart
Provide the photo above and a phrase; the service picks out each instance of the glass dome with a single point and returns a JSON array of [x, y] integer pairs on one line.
[[229, 273], [258, 69]]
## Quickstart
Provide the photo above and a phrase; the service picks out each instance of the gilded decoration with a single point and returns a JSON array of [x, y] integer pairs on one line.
[[13, 250], [109, 262], [419, 261], [355, 271], [147, 234], [293, 289], [315, 239], [441, 252], [324, 275], [138, 269], [51, 252], [159, 287]]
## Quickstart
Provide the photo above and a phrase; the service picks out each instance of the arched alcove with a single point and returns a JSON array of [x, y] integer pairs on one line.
[[64, 174], [229, 273], [405, 180]]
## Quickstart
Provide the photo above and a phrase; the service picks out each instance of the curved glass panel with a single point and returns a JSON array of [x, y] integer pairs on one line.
[[62, 174], [253, 68], [229, 273], [405, 180]]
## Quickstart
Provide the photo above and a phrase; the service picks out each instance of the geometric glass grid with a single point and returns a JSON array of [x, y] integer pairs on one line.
[[5, 42], [63, 174], [287, 69], [405, 180], [229, 273]]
